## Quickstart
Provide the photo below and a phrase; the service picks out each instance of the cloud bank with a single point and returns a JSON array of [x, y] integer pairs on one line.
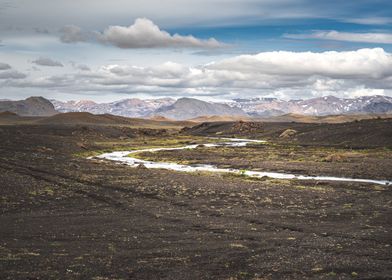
[[142, 34], [375, 38], [281, 73]]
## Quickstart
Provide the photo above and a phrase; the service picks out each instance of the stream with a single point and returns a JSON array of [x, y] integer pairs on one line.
[[126, 158]]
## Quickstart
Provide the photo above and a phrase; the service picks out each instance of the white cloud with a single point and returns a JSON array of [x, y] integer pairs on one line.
[[45, 61], [285, 74], [142, 34], [363, 63], [369, 20], [376, 38]]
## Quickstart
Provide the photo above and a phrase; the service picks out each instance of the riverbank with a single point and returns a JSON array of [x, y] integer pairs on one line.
[[128, 157]]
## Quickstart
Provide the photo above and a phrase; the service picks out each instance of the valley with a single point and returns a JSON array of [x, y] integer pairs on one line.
[[65, 214]]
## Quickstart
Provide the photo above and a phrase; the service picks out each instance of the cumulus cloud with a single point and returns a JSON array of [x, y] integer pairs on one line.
[[142, 34], [45, 61], [4, 66], [376, 38], [283, 74], [363, 63]]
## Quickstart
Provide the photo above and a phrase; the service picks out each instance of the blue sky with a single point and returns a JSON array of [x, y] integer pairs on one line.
[[106, 50]]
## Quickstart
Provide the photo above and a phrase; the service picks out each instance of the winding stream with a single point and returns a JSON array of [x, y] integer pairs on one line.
[[126, 158]]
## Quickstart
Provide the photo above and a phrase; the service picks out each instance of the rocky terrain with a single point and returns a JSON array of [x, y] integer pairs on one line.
[[356, 134], [66, 216]]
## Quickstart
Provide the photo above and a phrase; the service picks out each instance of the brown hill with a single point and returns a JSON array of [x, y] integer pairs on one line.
[[83, 118], [76, 118]]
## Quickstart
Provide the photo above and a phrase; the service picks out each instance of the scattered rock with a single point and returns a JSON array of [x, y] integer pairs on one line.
[[288, 133], [44, 149], [74, 165], [334, 158], [82, 145], [141, 166], [246, 127]]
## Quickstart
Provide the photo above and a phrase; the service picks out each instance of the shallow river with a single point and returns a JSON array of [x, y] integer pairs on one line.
[[126, 158]]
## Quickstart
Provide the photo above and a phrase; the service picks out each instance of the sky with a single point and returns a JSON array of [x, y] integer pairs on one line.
[[213, 50]]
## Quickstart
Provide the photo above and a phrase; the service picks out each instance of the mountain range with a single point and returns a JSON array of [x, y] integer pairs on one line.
[[320, 106], [190, 108]]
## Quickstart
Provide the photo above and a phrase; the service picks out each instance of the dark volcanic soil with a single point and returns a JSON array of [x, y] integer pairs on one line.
[[63, 216], [358, 134]]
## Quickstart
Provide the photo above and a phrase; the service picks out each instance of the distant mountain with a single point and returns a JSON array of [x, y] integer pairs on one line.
[[189, 108], [133, 107], [32, 106], [320, 106]]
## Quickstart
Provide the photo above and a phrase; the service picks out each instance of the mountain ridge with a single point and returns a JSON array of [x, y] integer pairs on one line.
[[191, 108]]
